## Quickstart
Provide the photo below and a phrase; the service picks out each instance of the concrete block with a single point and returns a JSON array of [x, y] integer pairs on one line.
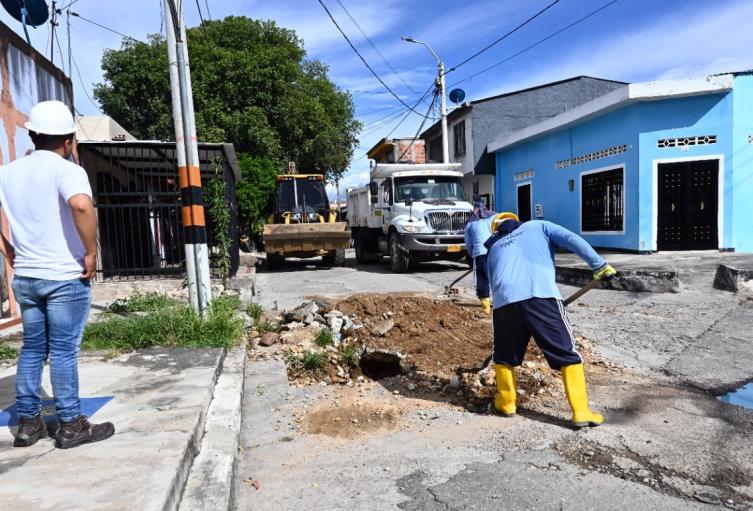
[[732, 279], [637, 281]]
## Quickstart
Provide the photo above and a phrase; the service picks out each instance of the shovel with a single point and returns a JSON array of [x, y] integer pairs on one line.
[[567, 301], [451, 290]]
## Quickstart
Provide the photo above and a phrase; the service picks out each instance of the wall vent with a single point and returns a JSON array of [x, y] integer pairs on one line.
[[525, 174], [596, 155], [686, 141]]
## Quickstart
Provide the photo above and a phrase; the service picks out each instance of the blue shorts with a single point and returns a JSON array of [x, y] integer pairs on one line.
[[545, 320]]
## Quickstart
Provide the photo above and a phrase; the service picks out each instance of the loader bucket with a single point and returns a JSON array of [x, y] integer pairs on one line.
[[292, 238]]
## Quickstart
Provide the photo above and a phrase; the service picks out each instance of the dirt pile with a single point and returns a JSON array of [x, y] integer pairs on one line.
[[417, 345]]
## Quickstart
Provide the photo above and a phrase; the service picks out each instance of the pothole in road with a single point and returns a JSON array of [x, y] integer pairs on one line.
[[378, 365], [742, 396]]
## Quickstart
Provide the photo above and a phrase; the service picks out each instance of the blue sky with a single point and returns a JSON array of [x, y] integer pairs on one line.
[[631, 40]]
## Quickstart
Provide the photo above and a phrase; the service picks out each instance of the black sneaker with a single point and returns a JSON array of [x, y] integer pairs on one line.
[[29, 431], [80, 431]]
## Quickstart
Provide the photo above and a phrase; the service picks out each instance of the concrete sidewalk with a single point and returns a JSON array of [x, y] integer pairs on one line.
[[158, 401]]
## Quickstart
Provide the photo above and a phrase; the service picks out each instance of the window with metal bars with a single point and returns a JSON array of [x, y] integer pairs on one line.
[[458, 136], [602, 201]]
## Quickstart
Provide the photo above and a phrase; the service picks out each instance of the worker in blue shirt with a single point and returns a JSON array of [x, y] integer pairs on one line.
[[527, 303], [477, 231]]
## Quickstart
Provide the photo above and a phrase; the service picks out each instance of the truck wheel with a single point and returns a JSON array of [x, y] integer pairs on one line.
[[399, 261], [364, 254], [274, 260]]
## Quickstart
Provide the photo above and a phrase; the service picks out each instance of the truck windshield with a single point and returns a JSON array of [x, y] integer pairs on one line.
[[311, 194], [428, 188]]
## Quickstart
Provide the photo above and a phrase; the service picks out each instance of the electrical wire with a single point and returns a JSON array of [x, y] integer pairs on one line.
[[505, 36], [368, 39], [68, 6], [77, 15], [81, 80], [209, 14], [537, 43], [368, 66], [420, 128], [198, 8]]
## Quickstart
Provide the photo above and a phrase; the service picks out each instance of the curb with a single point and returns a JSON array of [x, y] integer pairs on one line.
[[210, 480], [637, 281]]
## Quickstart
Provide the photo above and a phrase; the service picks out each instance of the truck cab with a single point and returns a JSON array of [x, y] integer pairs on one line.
[[411, 213]]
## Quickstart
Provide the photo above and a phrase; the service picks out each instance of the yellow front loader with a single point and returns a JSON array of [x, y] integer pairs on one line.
[[302, 224]]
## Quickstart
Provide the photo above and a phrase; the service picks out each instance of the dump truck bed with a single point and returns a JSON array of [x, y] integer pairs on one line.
[[290, 238]]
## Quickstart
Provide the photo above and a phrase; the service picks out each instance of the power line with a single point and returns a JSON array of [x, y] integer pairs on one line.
[[198, 7], [81, 80], [418, 131], [69, 5], [209, 14], [106, 28], [364, 61], [537, 43], [505, 36], [374, 47]]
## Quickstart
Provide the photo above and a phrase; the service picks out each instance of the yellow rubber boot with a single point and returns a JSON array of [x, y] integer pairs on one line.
[[504, 400], [486, 306], [575, 388]]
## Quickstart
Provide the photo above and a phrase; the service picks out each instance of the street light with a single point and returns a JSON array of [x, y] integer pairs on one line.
[[440, 81]]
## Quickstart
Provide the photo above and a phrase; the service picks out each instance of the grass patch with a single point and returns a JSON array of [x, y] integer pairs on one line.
[[170, 323], [142, 302], [324, 338], [256, 312], [349, 356], [7, 353], [309, 360], [268, 326]]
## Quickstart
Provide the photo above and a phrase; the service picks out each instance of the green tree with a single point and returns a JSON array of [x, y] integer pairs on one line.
[[252, 86], [255, 191]]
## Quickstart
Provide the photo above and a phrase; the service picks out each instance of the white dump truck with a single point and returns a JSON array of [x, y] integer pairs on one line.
[[410, 212]]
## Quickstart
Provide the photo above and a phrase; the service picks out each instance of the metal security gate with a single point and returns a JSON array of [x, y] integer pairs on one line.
[[138, 202], [524, 202], [688, 205]]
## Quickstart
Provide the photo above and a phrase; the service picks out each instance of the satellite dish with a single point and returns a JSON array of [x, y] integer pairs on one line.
[[28, 12], [457, 95]]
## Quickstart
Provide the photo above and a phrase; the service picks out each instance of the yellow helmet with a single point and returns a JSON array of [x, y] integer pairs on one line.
[[501, 217]]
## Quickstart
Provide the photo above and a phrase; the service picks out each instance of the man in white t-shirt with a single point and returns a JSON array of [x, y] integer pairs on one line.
[[53, 250]]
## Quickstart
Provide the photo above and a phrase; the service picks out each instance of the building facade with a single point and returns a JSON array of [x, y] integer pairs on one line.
[[473, 125], [398, 150], [648, 167]]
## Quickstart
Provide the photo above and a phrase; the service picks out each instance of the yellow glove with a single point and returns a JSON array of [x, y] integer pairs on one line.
[[604, 272]]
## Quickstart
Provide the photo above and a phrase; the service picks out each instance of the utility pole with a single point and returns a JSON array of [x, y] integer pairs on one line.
[[187, 151], [443, 102]]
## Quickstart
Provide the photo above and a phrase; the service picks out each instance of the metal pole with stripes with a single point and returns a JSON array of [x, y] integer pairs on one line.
[[194, 226]]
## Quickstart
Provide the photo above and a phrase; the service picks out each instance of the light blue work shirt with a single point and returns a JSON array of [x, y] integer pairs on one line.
[[521, 264], [476, 234]]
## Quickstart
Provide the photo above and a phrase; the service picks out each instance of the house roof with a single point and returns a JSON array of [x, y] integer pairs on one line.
[[619, 98], [465, 106]]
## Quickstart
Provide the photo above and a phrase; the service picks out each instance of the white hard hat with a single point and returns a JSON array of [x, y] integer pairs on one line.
[[51, 118]]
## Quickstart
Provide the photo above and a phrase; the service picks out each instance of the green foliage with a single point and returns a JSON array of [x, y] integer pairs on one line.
[[141, 302], [173, 324], [309, 360], [6, 352], [268, 326], [218, 211], [256, 312], [255, 191], [349, 356], [324, 338], [252, 86]]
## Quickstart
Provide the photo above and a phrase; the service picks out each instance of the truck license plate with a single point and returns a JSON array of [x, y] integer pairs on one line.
[[453, 248]]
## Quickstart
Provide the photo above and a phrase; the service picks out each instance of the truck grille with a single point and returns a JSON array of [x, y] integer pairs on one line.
[[443, 221]]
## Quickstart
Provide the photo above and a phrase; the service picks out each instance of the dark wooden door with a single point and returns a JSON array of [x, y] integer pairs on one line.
[[524, 203], [688, 205]]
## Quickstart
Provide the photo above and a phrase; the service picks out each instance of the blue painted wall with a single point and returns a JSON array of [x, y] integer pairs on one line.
[[640, 126]]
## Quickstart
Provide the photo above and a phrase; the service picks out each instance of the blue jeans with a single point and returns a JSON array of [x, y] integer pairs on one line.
[[54, 314]]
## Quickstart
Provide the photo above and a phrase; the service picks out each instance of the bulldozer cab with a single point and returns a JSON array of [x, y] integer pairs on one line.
[[301, 199]]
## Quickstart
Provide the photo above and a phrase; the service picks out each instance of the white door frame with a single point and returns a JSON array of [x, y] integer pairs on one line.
[[655, 195]]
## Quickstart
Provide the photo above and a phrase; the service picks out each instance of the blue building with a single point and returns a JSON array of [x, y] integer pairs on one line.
[[649, 166]]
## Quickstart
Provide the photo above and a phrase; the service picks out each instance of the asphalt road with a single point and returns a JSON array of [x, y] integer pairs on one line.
[[668, 443]]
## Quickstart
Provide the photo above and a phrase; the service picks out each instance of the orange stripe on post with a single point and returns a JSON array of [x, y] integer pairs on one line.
[[193, 216], [189, 176]]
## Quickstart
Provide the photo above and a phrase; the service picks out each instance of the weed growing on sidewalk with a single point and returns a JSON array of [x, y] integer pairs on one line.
[[309, 360], [6, 352], [142, 302], [255, 311], [324, 338], [171, 323], [262, 327]]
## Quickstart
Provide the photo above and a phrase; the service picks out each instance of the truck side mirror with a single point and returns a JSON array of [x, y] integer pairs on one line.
[[374, 191]]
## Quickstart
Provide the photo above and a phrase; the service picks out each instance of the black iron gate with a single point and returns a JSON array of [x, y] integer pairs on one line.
[[136, 193], [688, 205]]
